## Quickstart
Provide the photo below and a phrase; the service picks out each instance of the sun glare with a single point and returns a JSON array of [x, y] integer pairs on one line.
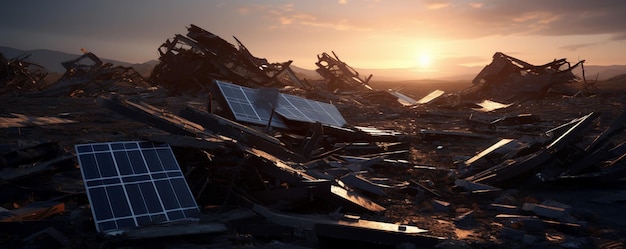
[[423, 60]]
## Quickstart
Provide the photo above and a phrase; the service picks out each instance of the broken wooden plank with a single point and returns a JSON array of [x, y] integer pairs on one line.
[[34, 211], [21, 120], [437, 134], [357, 181], [11, 173], [208, 143], [473, 186], [503, 142], [508, 170], [48, 238], [618, 125], [158, 118], [172, 230], [314, 136], [31, 154], [572, 133], [355, 199], [351, 227], [241, 133]]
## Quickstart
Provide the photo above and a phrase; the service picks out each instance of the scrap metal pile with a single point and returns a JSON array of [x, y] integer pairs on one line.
[[17, 73], [189, 62], [507, 78], [242, 164], [88, 73], [90, 68]]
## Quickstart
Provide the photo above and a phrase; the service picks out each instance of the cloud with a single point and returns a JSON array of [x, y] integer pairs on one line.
[[435, 6], [476, 19], [288, 15], [476, 5], [619, 37], [575, 47], [556, 17]]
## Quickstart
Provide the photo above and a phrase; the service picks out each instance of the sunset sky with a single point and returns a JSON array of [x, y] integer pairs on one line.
[[428, 36]]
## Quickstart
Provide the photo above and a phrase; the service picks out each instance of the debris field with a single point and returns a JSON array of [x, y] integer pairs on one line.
[[222, 149]]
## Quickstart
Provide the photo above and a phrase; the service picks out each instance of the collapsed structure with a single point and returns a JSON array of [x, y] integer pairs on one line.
[[340, 76], [189, 62], [507, 77], [243, 163], [18, 73], [88, 67]]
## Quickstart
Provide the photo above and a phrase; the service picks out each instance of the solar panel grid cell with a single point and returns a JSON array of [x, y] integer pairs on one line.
[[131, 184]]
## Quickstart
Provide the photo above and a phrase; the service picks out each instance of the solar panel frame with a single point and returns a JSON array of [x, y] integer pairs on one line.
[[134, 183]]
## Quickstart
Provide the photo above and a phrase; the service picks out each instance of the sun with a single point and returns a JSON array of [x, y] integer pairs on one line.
[[424, 60]]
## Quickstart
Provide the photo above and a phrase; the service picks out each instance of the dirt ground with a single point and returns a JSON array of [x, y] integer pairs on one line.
[[599, 206]]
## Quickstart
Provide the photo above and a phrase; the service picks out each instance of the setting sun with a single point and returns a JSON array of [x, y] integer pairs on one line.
[[423, 60]]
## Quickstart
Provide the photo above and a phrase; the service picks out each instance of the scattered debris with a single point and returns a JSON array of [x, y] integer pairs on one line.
[[340, 76], [507, 78], [19, 74], [191, 63], [256, 157]]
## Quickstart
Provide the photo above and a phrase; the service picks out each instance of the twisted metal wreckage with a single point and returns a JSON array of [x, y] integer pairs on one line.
[[18, 73], [280, 166], [507, 77]]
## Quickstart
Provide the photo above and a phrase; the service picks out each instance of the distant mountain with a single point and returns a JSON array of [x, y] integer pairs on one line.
[[305, 73], [51, 60], [602, 72], [394, 74]]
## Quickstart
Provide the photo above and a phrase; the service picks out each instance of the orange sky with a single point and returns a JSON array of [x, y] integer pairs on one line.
[[429, 37]]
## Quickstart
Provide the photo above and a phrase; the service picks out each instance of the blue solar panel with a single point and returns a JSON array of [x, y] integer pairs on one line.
[[241, 99], [131, 184], [244, 104], [305, 110]]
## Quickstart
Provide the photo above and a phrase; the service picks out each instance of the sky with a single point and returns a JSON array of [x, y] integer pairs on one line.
[[426, 36]]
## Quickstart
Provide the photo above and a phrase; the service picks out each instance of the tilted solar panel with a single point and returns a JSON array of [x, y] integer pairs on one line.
[[245, 106], [305, 110], [131, 184], [241, 101]]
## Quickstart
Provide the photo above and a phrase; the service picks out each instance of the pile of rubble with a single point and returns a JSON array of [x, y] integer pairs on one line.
[[508, 78], [19, 74], [187, 63], [313, 164]]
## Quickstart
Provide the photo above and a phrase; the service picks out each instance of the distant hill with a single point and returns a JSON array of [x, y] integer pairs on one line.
[[51, 60], [305, 73], [602, 72]]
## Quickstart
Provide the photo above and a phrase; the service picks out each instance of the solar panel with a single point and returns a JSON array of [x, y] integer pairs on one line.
[[131, 184], [245, 107], [305, 110], [241, 99]]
